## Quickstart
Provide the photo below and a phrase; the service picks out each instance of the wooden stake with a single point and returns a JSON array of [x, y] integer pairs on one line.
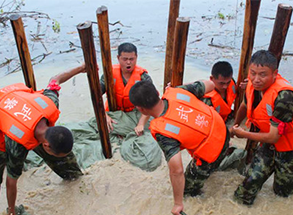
[[103, 23], [173, 15], [281, 27], [89, 53], [23, 51], [251, 14], [179, 49]]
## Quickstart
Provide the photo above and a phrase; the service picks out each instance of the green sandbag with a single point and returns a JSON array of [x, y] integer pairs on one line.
[[141, 151]]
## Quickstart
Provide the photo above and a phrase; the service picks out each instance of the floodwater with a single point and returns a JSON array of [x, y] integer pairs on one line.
[[114, 186]]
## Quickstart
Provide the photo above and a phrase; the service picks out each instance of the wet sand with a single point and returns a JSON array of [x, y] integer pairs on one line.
[[115, 187]]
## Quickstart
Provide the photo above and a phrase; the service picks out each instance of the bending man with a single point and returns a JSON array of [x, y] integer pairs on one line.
[[27, 123], [182, 121]]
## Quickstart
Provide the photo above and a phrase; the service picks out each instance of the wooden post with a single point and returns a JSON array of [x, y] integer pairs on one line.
[[173, 15], [103, 23], [179, 49], [281, 27], [251, 14], [23, 51], [89, 53]]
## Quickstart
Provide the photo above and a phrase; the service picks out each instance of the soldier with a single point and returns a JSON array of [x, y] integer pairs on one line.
[[222, 99], [127, 123], [126, 74], [224, 94], [268, 105], [182, 121], [27, 123]]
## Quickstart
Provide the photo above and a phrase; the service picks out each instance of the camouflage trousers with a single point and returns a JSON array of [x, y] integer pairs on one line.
[[195, 176], [15, 155], [266, 162]]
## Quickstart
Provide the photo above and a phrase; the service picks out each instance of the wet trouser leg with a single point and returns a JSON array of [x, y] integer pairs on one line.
[[261, 169], [283, 180], [66, 167], [195, 176]]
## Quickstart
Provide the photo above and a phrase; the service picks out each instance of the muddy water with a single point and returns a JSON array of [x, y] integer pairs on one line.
[[113, 186]]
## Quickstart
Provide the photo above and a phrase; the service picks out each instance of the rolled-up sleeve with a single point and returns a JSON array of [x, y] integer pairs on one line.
[[169, 146]]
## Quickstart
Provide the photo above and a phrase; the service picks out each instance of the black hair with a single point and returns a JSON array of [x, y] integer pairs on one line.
[[144, 94], [264, 58], [60, 139], [127, 47], [222, 68]]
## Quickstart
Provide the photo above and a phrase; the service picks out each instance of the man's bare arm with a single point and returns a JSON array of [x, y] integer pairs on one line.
[[64, 76], [140, 125], [270, 137], [176, 173]]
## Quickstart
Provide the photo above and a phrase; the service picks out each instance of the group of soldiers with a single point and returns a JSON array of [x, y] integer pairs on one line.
[[191, 117]]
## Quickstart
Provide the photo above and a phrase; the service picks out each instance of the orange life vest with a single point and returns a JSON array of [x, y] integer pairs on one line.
[[198, 127], [20, 110], [121, 91], [261, 115], [222, 107]]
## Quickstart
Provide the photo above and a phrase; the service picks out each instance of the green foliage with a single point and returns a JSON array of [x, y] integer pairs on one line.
[[56, 26], [221, 16]]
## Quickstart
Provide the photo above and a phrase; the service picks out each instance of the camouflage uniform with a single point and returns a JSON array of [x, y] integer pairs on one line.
[[207, 101], [268, 161], [195, 176], [15, 155]]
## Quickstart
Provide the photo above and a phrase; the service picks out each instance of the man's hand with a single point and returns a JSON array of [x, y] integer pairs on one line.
[[64, 76], [238, 131], [10, 211], [109, 122], [177, 209], [231, 132], [243, 84], [140, 125], [82, 68], [139, 130], [168, 86]]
